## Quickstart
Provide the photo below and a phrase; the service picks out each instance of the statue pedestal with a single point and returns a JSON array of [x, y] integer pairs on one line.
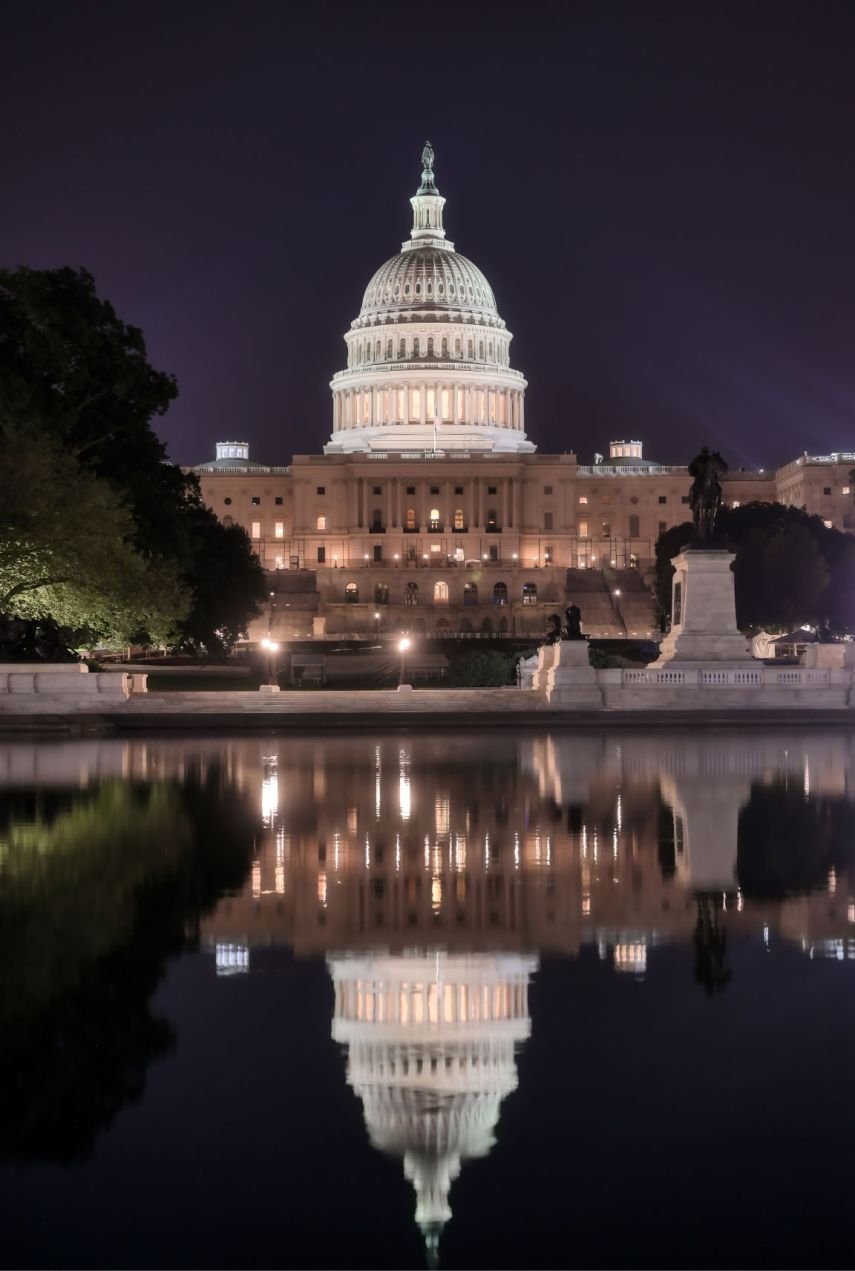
[[571, 680], [703, 609], [545, 659]]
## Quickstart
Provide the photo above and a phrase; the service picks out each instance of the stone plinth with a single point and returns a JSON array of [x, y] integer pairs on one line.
[[571, 680], [44, 687], [545, 659], [828, 656], [703, 609]]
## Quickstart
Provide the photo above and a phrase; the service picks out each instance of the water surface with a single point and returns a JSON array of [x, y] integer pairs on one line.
[[486, 1000]]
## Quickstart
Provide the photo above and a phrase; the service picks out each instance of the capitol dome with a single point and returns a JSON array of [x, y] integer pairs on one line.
[[428, 357], [430, 278]]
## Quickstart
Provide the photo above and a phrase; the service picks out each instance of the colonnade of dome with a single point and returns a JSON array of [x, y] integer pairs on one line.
[[428, 348]]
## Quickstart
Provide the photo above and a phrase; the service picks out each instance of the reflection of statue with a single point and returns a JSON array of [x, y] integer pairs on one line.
[[572, 629], [553, 629], [705, 494], [710, 948], [427, 157]]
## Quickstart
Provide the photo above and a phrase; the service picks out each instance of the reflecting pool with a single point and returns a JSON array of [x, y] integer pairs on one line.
[[465, 1000]]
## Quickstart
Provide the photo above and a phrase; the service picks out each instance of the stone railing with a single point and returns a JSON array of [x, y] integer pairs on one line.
[[727, 677]]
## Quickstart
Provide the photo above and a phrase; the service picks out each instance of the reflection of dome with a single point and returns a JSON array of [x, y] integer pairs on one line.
[[431, 1042], [430, 279], [428, 348]]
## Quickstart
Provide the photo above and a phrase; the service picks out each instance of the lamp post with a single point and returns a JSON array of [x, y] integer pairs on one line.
[[377, 624], [272, 648], [403, 645]]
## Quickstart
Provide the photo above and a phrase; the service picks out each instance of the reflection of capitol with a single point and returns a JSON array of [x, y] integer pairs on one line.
[[430, 871], [430, 1042]]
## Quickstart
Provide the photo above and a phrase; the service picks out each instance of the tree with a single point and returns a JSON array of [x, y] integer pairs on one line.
[[74, 375], [65, 549]]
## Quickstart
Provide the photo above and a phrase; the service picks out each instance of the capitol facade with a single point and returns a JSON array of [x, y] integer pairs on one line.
[[431, 510]]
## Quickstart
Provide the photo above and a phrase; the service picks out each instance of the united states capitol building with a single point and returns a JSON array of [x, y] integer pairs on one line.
[[430, 509]]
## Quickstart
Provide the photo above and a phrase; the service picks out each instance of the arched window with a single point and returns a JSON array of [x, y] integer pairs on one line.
[[458, 347], [440, 593], [434, 519], [402, 348], [529, 593], [491, 350], [633, 527], [321, 522], [442, 627], [459, 520], [368, 352], [470, 349], [480, 350], [388, 350], [470, 594], [418, 288], [381, 594], [487, 626], [503, 625], [416, 347], [377, 351], [500, 594], [411, 594], [351, 594], [443, 348], [410, 519], [430, 346], [492, 520]]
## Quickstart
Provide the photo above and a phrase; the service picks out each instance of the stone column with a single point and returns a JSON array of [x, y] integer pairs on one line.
[[423, 401], [455, 413]]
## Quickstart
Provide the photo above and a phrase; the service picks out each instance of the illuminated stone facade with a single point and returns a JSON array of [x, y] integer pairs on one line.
[[430, 507]]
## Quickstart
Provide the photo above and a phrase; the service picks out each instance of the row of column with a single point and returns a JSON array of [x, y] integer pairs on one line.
[[417, 1003], [475, 503], [407, 403]]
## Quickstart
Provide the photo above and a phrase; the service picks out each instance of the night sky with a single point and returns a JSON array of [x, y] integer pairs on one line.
[[662, 196]]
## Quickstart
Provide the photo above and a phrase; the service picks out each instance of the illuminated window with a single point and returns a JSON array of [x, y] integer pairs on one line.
[[500, 594], [279, 529], [434, 519], [735, 503], [255, 501], [411, 594], [256, 529], [845, 490], [583, 529], [351, 594], [529, 593], [459, 522], [440, 593], [321, 522], [410, 519], [583, 498]]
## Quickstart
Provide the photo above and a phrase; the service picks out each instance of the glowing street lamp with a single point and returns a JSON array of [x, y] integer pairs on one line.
[[403, 645], [272, 648]]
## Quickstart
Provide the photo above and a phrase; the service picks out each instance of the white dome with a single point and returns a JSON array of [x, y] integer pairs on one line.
[[428, 350], [426, 280]]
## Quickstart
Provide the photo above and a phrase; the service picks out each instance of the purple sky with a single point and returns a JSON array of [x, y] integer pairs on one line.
[[662, 196]]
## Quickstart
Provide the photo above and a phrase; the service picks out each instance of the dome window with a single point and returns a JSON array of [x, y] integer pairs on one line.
[[430, 288], [457, 348], [388, 350], [416, 347], [418, 288], [407, 290], [444, 347], [470, 349], [430, 346], [451, 290], [402, 348]]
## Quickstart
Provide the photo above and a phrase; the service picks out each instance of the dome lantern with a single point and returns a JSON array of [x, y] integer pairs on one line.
[[427, 204]]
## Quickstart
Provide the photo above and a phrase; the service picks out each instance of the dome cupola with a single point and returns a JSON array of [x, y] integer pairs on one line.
[[428, 356]]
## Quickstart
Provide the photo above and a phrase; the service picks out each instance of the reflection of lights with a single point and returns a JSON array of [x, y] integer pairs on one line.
[[322, 888], [584, 842], [486, 851], [436, 895], [740, 902], [256, 879], [595, 847], [807, 778], [336, 851], [231, 959], [619, 814], [460, 851], [766, 935], [537, 847], [279, 879], [367, 852], [397, 853], [614, 843], [832, 881], [516, 851], [442, 814], [377, 775], [404, 793], [631, 957], [586, 904], [269, 792], [352, 820], [427, 852], [850, 912]]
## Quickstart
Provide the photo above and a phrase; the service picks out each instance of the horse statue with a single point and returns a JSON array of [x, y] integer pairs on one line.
[[705, 494]]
